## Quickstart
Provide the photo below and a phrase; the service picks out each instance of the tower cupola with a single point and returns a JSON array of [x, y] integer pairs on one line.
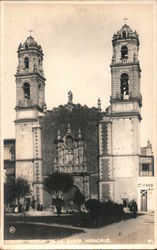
[[30, 43], [125, 33], [125, 46], [30, 56]]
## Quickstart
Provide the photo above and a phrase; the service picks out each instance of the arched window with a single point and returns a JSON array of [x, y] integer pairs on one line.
[[69, 141], [124, 86], [26, 88], [26, 61], [124, 52]]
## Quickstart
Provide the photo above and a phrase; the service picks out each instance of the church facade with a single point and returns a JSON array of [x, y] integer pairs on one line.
[[101, 150]]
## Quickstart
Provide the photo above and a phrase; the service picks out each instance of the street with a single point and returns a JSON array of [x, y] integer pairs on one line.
[[132, 231]]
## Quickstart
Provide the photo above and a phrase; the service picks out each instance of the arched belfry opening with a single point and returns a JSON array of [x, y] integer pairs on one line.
[[124, 34], [26, 89], [124, 52], [124, 86], [26, 62]]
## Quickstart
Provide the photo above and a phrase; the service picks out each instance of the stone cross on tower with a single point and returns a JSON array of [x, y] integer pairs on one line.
[[125, 20], [30, 31]]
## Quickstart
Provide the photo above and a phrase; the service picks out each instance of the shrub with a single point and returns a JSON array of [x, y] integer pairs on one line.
[[94, 208], [111, 208]]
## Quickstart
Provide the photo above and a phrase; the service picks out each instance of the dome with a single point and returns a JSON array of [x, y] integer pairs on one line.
[[30, 43], [124, 33]]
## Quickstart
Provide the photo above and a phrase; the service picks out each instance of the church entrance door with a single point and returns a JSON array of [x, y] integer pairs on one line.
[[144, 200]]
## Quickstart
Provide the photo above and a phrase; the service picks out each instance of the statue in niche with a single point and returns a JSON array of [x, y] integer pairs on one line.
[[35, 67]]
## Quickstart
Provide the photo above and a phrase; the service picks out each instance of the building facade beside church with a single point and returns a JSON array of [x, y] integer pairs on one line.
[[100, 149]]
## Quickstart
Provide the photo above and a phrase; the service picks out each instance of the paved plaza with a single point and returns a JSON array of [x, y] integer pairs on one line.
[[131, 231]]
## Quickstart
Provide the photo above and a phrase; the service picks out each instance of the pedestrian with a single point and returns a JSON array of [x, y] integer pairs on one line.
[[134, 209], [125, 212], [16, 209], [38, 206], [20, 208], [58, 205]]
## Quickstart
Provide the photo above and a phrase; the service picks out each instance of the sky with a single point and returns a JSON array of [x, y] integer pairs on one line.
[[76, 39]]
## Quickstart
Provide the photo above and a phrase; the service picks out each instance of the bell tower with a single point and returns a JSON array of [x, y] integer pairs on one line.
[[30, 105], [119, 132], [125, 71]]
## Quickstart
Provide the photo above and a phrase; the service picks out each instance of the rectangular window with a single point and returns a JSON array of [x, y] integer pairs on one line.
[[145, 167], [146, 170]]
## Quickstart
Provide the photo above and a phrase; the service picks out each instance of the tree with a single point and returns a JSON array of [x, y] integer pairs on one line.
[[16, 189], [22, 188], [58, 184]]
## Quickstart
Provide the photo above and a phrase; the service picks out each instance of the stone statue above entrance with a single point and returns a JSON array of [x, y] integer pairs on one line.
[[70, 97]]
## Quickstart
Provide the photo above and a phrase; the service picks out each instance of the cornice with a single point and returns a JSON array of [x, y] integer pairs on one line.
[[25, 120], [29, 74], [125, 114], [124, 65]]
